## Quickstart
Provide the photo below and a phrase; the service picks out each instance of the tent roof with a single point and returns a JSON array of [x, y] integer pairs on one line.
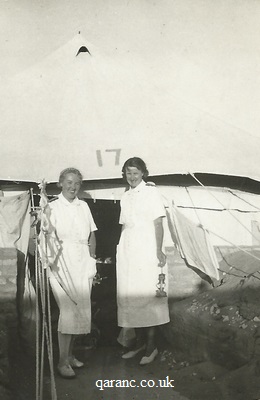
[[94, 112]]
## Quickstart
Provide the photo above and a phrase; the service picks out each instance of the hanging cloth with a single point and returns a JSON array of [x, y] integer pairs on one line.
[[193, 242]]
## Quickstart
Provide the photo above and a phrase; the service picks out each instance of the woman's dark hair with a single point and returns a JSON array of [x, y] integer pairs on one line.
[[137, 163], [67, 171]]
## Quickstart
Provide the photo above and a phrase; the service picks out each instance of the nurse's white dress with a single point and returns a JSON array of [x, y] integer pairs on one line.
[[72, 268], [137, 262]]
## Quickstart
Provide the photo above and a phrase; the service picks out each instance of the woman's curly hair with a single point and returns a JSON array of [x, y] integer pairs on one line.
[[67, 171], [137, 163]]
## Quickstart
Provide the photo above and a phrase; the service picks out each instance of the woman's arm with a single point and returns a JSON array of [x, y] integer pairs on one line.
[[159, 241], [92, 244]]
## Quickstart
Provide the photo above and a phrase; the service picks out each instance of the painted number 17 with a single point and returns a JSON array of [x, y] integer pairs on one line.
[[100, 156]]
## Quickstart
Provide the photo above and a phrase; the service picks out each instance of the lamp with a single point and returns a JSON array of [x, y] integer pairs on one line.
[[160, 292]]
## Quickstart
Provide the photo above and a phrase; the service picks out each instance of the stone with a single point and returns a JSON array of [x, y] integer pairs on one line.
[[201, 334]]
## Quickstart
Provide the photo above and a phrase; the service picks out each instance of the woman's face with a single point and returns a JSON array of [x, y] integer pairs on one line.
[[133, 176], [70, 186]]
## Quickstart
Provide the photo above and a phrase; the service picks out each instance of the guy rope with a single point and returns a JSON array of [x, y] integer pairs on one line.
[[43, 319]]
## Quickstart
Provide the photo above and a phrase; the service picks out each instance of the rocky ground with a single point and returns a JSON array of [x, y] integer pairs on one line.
[[211, 347], [192, 381]]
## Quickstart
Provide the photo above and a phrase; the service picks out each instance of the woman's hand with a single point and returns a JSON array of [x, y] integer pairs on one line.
[[161, 258], [45, 226]]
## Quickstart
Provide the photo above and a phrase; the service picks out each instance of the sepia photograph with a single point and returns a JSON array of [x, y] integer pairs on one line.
[[129, 200]]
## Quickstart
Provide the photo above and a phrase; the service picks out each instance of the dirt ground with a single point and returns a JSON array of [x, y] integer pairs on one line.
[[201, 381], [204, 380]]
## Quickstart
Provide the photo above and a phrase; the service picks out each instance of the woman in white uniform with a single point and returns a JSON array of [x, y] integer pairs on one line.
[[72, 246], [139, 254]]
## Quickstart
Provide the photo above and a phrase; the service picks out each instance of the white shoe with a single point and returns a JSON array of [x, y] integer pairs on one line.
[[74, 363], [132, 353], [150, 358], [66, 371]]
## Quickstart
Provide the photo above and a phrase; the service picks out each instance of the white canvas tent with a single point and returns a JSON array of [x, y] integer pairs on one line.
[[95, 112], [87, 110]]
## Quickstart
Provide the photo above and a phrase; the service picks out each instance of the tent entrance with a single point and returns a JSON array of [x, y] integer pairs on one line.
[[104, 308]]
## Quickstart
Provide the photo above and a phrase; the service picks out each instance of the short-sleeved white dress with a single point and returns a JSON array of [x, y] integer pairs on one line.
[[137, 262], [72, 268]]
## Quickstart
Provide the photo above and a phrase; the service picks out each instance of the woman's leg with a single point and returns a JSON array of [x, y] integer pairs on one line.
[[64, 366], [150, 340], [139, 333], [139, 344], [64, 348], [151, 350], [73, 337], [74, 363]]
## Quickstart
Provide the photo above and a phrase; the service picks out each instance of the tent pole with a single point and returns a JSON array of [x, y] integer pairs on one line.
[[42, 291], [46, 292], [37, 298]]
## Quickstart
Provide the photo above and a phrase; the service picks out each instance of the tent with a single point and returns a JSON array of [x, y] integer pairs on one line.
[[79, 107]]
